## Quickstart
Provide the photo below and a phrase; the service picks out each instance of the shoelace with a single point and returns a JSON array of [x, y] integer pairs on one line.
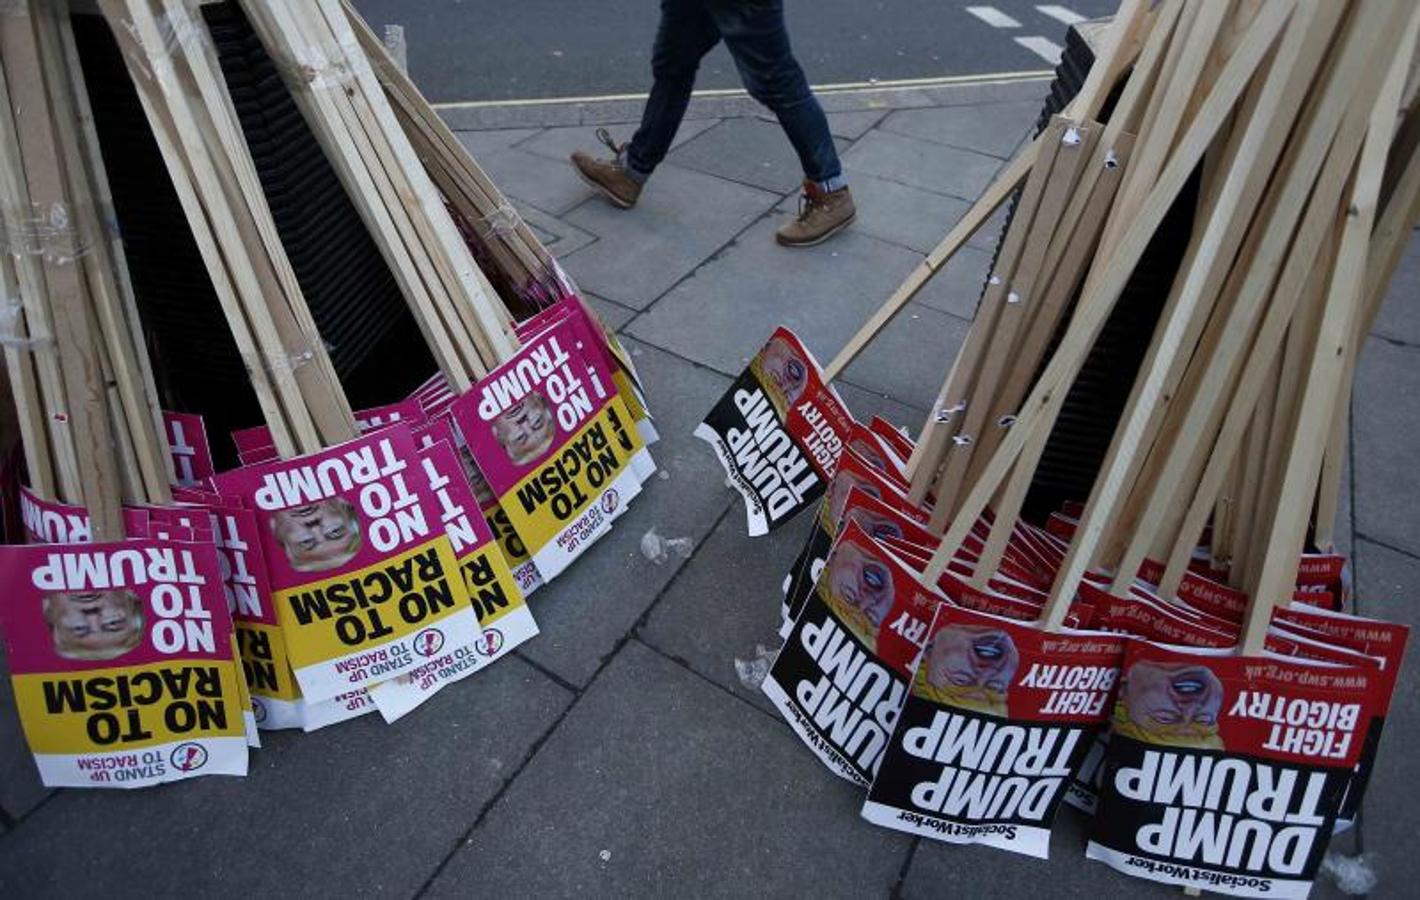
[[808, 204], [617, 150]]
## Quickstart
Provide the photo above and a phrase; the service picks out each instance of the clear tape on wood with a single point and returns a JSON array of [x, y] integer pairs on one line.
[[501, 221], [47, 232], [14, 330], [280, 363], [155, 63]]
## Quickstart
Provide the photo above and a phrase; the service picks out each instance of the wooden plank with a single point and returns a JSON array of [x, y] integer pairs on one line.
[[103, 202], [269, 396], [318, 105], [1096, 305], [22, 379], [1290, 516], [1074, 147], [431, 217], [1388, 242], [980, 340], [200, 74], [1299, 56], [39, 155], [21, 225], [138, 434]]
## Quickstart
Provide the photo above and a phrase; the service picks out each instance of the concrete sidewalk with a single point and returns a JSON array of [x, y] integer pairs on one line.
[[619, 753]]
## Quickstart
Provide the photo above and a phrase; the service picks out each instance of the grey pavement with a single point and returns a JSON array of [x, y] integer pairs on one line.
[[619, 753]]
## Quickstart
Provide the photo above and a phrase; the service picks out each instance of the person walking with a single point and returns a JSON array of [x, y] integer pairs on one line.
[[758, 40]]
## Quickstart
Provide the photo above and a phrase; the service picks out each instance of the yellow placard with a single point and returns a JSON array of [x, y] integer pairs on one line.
[[548, 499], [369, 607], [264, 661], [491, 585], [105, 710]]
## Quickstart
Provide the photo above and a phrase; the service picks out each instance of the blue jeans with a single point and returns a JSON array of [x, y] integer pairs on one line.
[[754, 33]]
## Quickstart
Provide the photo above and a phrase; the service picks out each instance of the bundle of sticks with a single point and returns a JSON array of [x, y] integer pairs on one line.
[[1212, 513], [75, 350], [438, 510]]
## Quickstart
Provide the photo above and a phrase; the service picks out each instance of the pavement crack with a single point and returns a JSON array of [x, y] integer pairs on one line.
[[685, 664], [1379, 542], [895, 893]]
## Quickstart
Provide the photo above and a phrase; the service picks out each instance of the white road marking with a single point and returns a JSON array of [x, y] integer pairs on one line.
[[993, 17], [1045, 48], [1061, 13]]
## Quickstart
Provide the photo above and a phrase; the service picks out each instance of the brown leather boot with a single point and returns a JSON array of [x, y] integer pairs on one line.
[[821, 216], [610, 176]]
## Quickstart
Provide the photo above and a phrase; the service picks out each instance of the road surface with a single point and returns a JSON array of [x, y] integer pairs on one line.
[[480, 50]]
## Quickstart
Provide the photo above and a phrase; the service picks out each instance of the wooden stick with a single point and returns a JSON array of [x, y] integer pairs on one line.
[[135, 428], [1388, 242], [980, 339], [22, 378], [1066, 272], [21, 222], [474, 305], [1291, 514], [1299, 56], [201, 75], [1075, 145], [1096, 305], [318, 105], [39, 154], [1265, 131], [103, 203], [273, 392]]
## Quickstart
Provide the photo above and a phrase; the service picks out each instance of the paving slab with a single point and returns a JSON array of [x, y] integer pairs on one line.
[[1386, 430], [1386, 585], [749, 151], [481, 143], [721, 316], [864, 404], [1399, 318], [917, 163], [907, 216], [956, 287], [910, 357], [996, 129], [549, 185], [683, 218], [558, 143], [359, 808], [854, 124], [20, 788], [587, 610], [726, 603], [660, 784], [557, 236], [613, 315]]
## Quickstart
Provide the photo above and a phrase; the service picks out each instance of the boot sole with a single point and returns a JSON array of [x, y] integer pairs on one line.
[[821, 238], [602, 189]]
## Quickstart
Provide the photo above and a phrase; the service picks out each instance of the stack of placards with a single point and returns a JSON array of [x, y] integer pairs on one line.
[[161, 611], [1173, 653]]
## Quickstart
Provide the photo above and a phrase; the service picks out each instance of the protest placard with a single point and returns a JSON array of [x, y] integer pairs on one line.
[[999, 717], [515, 552], [122, 662], [503, 616], [363, 577], [778, 432], [1227, 772], [188, 446], [555, 444], [52, 522], [873, 497], [842, 674]]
